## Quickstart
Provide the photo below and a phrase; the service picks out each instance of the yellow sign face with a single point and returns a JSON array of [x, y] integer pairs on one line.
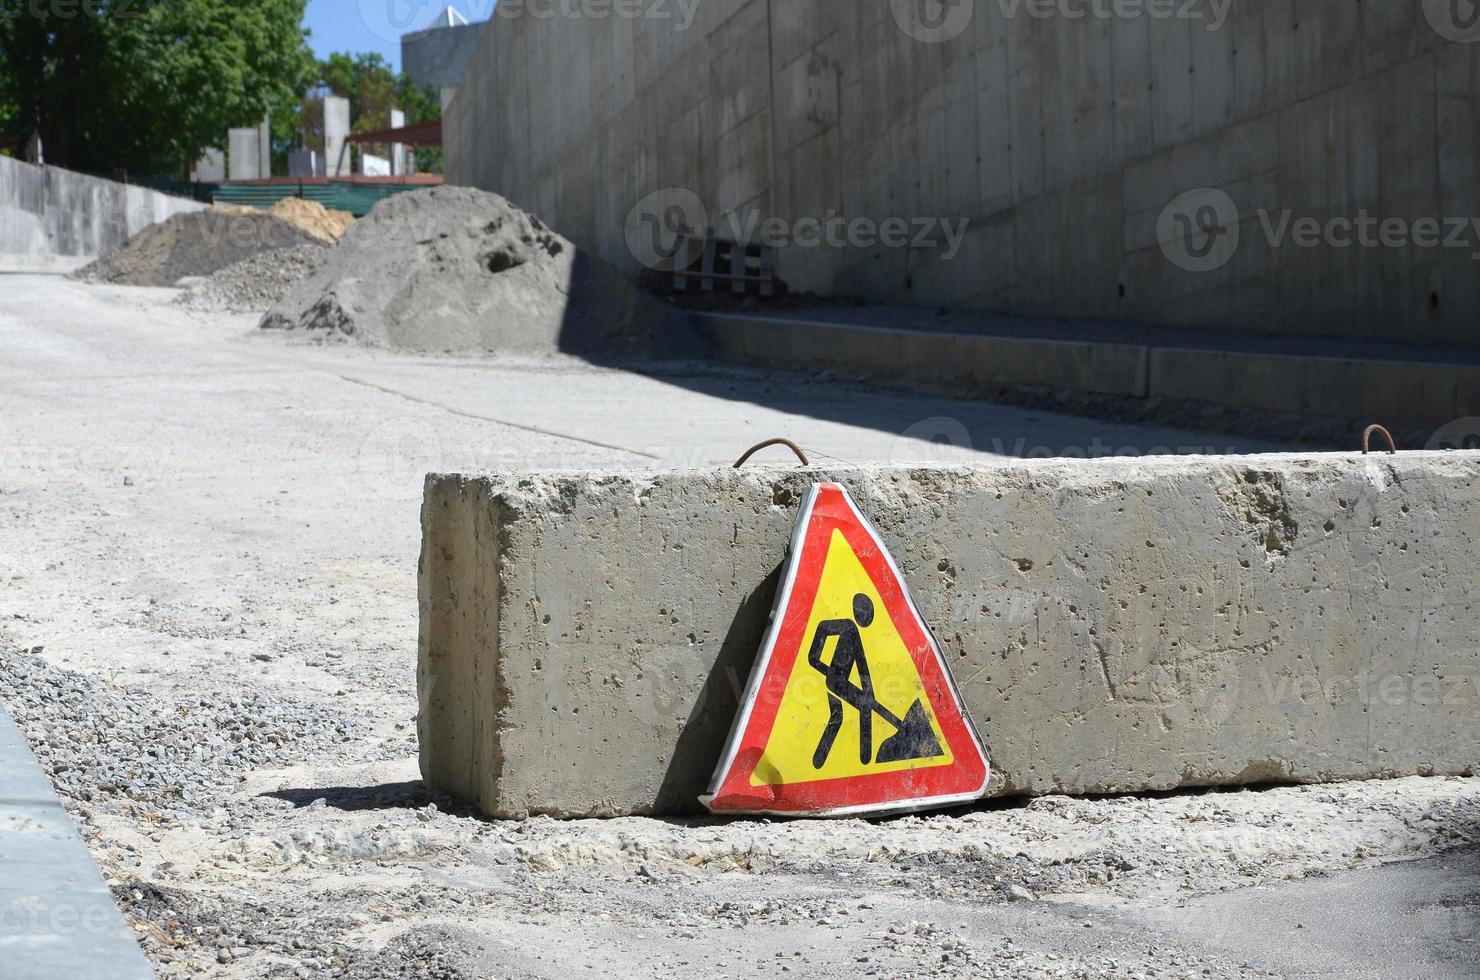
[[851, 709], [854, 704]]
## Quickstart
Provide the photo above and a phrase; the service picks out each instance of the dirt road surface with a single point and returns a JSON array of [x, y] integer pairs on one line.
[[208, 542]]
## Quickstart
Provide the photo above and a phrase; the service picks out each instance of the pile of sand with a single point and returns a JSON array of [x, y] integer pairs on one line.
[[194, 244], [452, 268], [311, 216]]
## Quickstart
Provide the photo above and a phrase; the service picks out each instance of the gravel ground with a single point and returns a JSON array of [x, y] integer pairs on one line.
[[207, 632]]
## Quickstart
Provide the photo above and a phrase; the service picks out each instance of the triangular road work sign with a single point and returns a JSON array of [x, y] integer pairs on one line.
[[851, 708]]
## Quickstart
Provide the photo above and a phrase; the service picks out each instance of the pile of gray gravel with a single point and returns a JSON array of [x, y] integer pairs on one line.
[[194, 244], [458, 269], [253, 284]]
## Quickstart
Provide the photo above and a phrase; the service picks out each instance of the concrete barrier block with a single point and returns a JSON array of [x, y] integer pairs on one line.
[[1114, 625]]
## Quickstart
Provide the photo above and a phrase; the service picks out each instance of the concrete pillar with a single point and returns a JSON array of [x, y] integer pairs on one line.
[[264, 148], [245, 160], [336, 131], [210, 168], [398, 150]]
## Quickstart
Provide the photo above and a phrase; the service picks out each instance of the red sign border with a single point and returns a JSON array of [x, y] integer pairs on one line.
[[829, 507]]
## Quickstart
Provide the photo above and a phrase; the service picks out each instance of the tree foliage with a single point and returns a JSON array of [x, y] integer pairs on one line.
[[144, 85]]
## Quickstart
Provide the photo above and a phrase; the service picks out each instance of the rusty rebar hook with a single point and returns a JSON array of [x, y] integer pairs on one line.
[[1373, 430], [767, 445]]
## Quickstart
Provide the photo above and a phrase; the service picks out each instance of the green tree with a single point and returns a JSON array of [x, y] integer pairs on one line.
[[144, 85]]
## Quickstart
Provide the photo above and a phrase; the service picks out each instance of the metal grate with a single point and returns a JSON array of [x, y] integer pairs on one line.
[[711, 265]]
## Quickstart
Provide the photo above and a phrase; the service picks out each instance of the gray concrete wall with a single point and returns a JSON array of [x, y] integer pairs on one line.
[[1067, 144], [1114, 625], [438, 57], [52, 218]]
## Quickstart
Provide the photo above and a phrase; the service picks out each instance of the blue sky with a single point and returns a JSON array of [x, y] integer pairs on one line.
[[377, 25]]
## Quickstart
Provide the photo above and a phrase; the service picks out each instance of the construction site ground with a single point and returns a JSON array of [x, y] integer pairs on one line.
[[208, 635]]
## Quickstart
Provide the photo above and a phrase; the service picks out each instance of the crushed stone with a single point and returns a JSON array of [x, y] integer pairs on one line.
[[195, 244], [253, 284]]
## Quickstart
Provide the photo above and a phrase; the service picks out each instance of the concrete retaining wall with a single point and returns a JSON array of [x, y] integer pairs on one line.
[[1063, 142], [55, 219], [1325, 381], [1114, 625]]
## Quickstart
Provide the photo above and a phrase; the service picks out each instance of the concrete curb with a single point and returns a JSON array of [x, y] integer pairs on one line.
[[58, 920], [1398, 390]]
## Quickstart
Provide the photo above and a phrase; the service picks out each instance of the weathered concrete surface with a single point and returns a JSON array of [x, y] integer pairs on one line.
[[57, 220], [1114, 625], [1061, 135]]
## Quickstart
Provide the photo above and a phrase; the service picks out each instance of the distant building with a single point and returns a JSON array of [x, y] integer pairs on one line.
[[436, 56]]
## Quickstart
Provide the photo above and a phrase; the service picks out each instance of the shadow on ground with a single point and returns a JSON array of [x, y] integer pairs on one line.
[[387, 796]]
